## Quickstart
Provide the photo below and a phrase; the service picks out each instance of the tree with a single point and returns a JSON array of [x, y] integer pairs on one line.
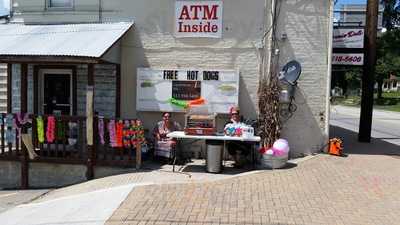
[[391, 13], [353, 78], [388, 55]]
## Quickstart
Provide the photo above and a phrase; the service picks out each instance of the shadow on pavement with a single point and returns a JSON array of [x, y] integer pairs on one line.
[[352, 146]]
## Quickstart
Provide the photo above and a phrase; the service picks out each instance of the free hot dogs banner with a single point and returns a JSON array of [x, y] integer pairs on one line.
[[198, 19], [175, 89]]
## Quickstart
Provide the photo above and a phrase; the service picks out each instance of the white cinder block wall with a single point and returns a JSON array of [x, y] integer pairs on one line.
[[151, 43]]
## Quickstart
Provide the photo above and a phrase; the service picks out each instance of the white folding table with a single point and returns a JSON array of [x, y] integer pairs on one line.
[[182, 135]]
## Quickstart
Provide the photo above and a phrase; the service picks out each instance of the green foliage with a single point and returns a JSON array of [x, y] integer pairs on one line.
[[388, 54], [353, 78]]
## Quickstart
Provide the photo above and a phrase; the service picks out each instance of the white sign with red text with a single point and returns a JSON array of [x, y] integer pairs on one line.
[[348, 38], [198, 19], [355, 59]]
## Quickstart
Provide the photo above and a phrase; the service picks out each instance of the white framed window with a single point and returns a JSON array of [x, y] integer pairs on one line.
[[60, 4]]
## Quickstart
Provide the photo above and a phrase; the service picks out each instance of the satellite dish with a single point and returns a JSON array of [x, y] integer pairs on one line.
[[291, 72]]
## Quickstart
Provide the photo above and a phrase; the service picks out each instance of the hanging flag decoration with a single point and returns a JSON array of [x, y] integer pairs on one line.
[[101, 130], [119, 133], [111, 131], [40, 129], [60, 130], [50, 132], [10, 132], [126, 131]]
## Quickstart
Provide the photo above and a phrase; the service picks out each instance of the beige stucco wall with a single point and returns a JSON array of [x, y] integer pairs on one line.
[[151, 43]]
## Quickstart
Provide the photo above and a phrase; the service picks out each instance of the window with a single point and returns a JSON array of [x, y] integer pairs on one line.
[[394, 84], [57, 4]]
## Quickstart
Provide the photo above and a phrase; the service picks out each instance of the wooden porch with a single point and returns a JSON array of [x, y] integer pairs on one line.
[[87, 149]]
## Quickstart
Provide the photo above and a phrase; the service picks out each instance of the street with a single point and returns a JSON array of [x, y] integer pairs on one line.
[[385, 124]]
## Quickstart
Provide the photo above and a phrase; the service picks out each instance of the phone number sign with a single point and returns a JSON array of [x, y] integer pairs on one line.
[[355, 59]]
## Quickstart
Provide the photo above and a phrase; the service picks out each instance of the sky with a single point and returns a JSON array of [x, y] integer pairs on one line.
[[4, 6]]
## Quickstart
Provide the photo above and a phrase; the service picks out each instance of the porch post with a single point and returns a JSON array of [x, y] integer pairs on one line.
[[118, 90], [90, 123], [24, 109], [9, 87]]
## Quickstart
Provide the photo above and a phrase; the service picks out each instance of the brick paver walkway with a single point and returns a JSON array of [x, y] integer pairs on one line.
[[359, 189]]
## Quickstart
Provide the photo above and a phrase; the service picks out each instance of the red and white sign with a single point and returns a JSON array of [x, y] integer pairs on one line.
[[348, 38], [355, 59], [198, 18]]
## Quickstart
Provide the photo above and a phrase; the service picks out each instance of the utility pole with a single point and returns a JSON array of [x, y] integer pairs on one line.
[[367, 96]]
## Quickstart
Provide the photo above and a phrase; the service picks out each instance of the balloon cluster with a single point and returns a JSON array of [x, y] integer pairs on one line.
[[279, 148]]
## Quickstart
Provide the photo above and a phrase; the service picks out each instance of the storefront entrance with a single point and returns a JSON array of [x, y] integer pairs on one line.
[[57, 92]]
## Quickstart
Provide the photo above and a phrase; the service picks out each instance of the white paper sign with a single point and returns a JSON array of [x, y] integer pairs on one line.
[[156, 88], [356, 59], [198, 19], [348, 38]]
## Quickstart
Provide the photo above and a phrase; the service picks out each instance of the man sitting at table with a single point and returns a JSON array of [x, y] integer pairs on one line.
[[164, 144], [239, 150]]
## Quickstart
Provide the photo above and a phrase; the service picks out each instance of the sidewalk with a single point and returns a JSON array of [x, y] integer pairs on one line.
[[363, 188], [360, 189]]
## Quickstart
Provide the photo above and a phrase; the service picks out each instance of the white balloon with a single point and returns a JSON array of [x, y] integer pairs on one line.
[[269, 152], [281, 145]]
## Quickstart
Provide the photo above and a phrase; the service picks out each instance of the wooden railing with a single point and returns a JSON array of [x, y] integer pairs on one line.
[[115, 156], [69, 145]]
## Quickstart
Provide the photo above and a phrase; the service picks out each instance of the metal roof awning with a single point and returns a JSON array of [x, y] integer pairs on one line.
[[67, 43]]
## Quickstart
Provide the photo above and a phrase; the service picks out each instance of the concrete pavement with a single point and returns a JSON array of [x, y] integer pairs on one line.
[[10, 199], [92, 208]]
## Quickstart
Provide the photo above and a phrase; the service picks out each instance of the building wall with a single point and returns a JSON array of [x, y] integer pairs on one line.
[[356, 13], [151, 43]]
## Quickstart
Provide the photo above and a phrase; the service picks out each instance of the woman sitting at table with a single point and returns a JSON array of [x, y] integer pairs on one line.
[[164, 144]]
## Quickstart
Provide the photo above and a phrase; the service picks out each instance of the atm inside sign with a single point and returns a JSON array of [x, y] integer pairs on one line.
[[198, 19]]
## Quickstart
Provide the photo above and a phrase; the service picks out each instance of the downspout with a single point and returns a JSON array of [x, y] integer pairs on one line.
[[11, 10], [100, 12], [329, 75]]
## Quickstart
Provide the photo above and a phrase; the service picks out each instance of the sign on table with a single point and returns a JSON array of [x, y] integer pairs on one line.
[[156, 88]]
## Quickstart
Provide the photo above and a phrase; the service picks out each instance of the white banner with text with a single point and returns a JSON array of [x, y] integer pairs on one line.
[[173, 90]]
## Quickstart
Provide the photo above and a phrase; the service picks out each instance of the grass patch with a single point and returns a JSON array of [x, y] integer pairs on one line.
[[390, 101]]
